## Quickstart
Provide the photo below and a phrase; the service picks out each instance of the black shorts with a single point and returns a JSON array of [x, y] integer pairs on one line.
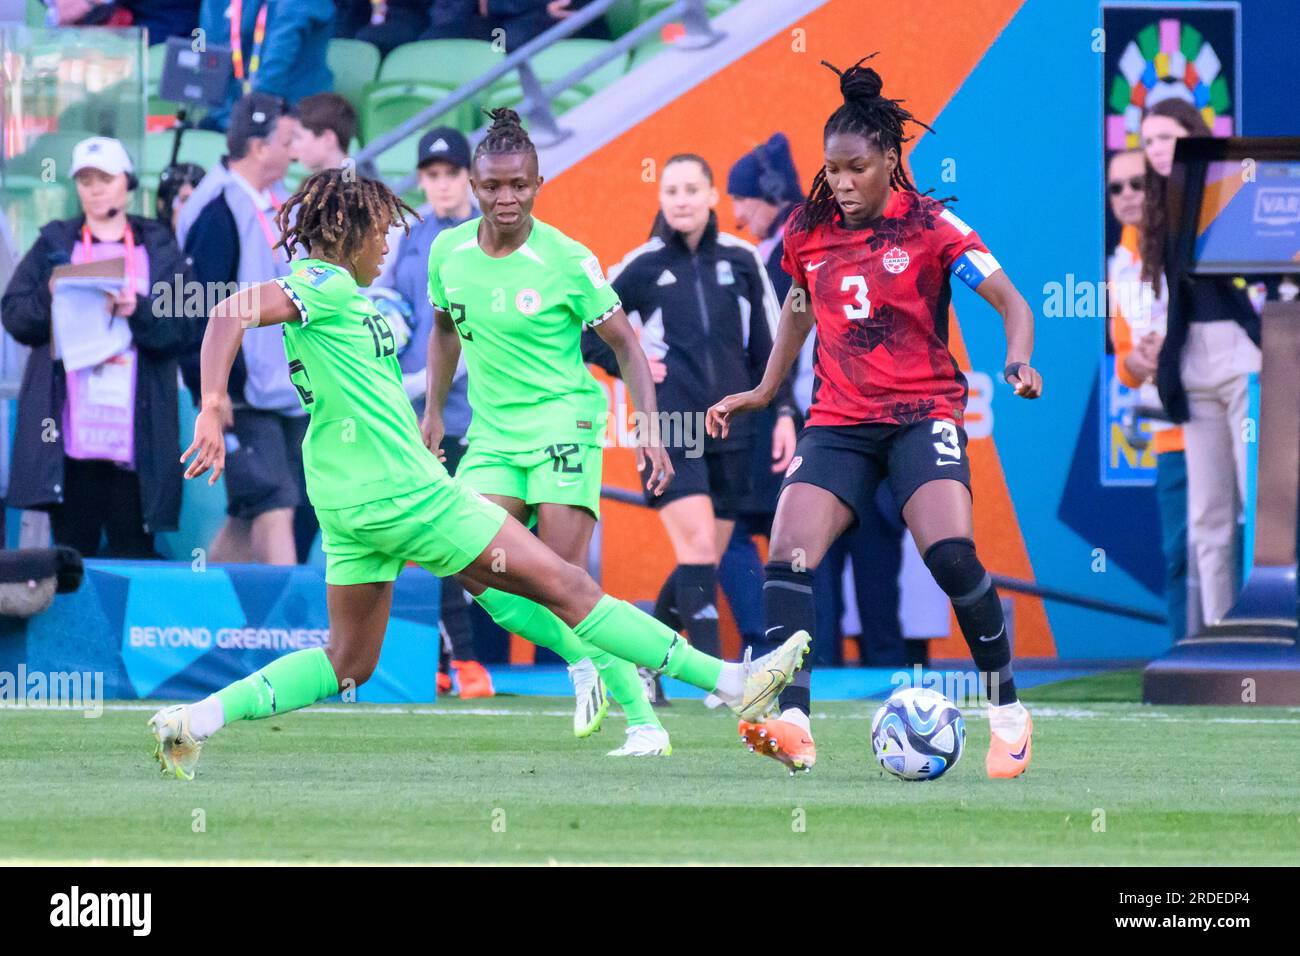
[[850, 461], [264, 463], [724, 475]]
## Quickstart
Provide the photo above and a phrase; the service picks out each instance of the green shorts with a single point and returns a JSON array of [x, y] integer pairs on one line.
[[567, 474], [443, 527]]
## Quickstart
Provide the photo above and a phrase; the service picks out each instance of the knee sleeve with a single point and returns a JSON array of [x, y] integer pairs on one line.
[[958, 571]]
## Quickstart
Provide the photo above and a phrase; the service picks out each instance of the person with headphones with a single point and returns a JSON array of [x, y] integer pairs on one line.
[[98, 446]]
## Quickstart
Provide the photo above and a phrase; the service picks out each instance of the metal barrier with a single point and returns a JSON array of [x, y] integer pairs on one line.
[[536, 106], [623, 496]]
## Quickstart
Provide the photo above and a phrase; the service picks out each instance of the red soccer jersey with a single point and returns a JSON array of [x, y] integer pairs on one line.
[[880, 301]]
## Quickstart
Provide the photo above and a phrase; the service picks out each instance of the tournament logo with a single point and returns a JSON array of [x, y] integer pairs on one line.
[[528, 301], [896, 260], [794, 465]]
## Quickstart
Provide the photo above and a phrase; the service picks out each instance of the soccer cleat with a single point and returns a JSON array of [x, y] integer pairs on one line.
[[177, 750], [474, 679], [1007, 760], [782, 740], [766, 677], [444, 683], [644, 740], [592, 703]]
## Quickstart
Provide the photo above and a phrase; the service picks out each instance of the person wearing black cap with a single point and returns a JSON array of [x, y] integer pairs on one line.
[[227, 228], [442, 164], [98, 446]]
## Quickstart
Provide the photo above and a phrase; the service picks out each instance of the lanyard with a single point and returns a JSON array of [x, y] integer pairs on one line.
[[237, 42], [128, 239], [271, 239]]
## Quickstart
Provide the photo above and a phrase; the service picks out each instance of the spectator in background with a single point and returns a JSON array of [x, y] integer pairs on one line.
[[1211, 347], [707, 317], [327, 124], [281, 48], [385, 23], [520, 20], [99, 447], [175, 187], [442, 164], [1138, 318], [228, 230], [161, 18], [764, 186]]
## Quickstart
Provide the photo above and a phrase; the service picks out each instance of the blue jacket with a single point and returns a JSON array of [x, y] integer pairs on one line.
[[294, 53]]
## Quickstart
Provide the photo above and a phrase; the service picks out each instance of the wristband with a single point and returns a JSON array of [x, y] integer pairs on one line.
[[1012, 369]]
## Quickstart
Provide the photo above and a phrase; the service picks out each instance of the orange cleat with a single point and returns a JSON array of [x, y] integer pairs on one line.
[[473, 678], [781, 740], [1006, 760], [444, 683]]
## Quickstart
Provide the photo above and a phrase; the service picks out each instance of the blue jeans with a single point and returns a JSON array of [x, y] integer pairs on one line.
[[1171, 497]]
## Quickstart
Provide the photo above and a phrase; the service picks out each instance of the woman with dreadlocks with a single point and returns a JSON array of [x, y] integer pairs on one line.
[[874, 260], [515, 294], [382, 497]]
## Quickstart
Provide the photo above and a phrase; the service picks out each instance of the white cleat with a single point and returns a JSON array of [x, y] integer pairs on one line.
[[177, 749], [713, 701], [766, 677], [644, 740], [592, 702]]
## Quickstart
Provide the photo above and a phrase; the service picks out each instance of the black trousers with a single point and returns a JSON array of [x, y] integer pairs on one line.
[[101, 498]]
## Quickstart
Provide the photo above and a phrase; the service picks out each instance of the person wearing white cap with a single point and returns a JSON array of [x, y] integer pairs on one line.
[[99, 447]]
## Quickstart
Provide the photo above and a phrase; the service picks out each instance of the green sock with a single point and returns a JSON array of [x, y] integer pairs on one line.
[[538, 625], [626, 632], [625, 687], [533, 623], [287, 683]]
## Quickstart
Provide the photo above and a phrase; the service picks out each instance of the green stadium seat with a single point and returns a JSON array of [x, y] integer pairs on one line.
[[561, 58], [622, 17], [386, 105], [512, 94], [200, 146], [447, 62], [354, 63]]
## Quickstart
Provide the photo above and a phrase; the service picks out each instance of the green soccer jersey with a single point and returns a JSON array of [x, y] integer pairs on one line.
[[520, 320], [363, 442]]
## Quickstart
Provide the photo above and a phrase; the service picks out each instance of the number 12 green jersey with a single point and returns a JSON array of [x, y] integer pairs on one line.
[[520, 320]]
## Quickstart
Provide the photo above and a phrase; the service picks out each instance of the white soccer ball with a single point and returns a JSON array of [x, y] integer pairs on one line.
[[918, 734]]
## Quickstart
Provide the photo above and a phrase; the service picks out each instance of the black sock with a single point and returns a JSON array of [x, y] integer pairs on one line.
[[665, 611], [958, 570], [697, 595], [787, 608], [458, 636]]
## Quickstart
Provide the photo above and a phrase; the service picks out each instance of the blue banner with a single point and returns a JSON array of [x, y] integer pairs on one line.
[[168, 630]]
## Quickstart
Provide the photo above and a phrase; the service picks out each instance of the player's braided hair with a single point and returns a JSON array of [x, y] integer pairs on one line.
[[336, 209], [866, 113], [505, 135]]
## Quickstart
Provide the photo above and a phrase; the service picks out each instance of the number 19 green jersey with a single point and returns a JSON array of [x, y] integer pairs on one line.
[[363, 442], [520, 320]]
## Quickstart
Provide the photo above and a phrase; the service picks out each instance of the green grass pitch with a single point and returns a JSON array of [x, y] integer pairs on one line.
[[504, 781]]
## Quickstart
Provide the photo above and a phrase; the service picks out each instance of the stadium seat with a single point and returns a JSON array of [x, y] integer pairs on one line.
[[446, 62], [157, 105], [200, 146], [386, 105], [559, 59], [354, 63], [512, 94], [622, 17]]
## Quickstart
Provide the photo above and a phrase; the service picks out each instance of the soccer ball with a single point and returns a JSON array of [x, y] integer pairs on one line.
[[918, 734]]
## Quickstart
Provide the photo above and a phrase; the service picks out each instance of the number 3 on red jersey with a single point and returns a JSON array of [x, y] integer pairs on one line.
[[858, 286]]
